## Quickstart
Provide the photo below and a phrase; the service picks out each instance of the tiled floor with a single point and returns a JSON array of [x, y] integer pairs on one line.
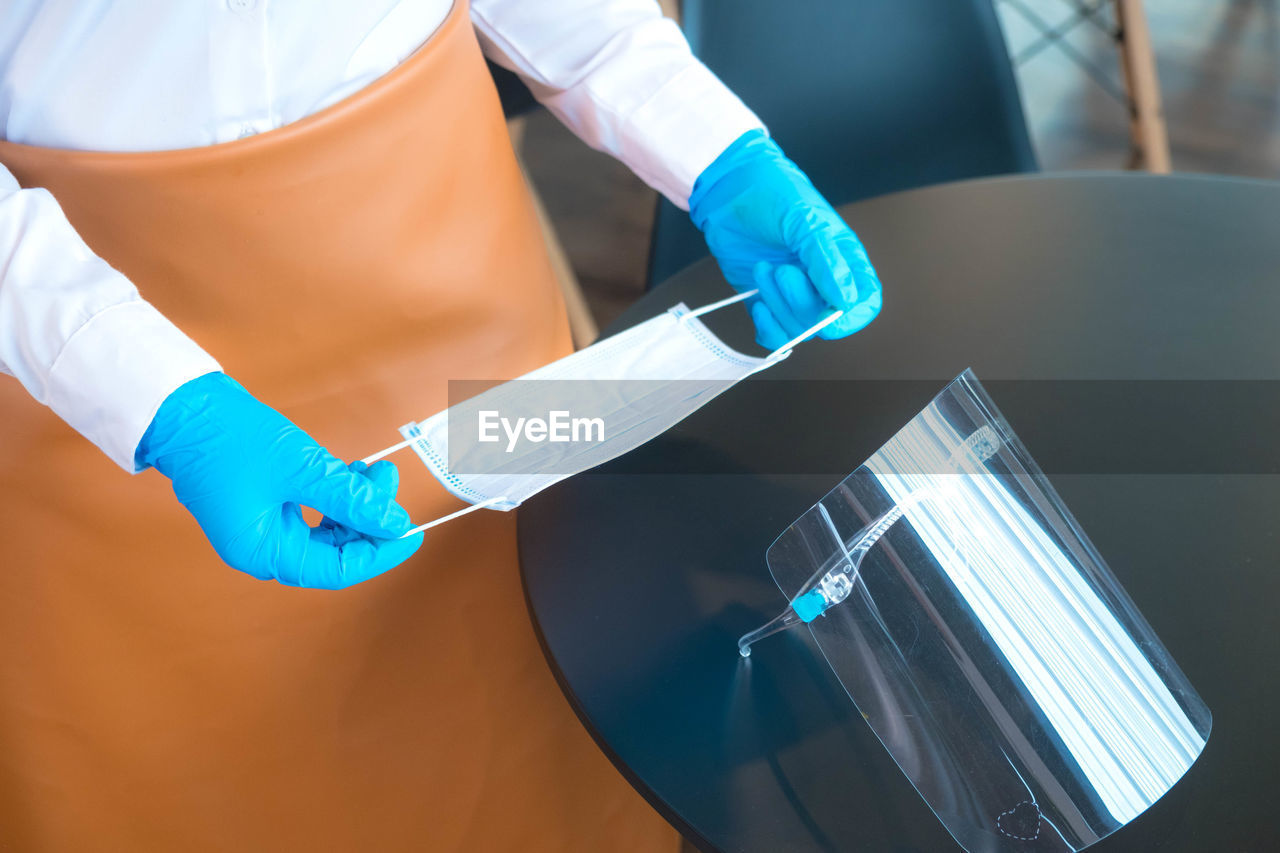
[[1219, 64]]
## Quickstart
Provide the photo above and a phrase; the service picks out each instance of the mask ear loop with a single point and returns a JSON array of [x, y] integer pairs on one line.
[[715, 306], [485, 504], [785, 350], [782, 351], [369, 460]]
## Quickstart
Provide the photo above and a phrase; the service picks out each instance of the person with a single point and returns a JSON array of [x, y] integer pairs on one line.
[[322, 197]]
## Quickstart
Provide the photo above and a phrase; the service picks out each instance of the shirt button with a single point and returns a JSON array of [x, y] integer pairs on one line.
[[241, 5]]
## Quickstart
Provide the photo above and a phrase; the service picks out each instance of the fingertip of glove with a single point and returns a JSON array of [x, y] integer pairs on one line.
[[855, 319], [762, 274], [414, 542], [396, 519], [861, 315], [374, 509], [769, 332], [385, 476], [796, 286], [392, 552], [380, 516], [867, 282]]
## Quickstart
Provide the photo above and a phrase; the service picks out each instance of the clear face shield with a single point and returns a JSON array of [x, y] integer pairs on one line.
[[984, 639]]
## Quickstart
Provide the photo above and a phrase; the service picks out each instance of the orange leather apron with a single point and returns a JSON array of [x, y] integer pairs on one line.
[[343, 268]]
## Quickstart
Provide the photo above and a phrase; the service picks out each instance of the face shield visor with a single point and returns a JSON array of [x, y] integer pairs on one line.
[[983, 638]]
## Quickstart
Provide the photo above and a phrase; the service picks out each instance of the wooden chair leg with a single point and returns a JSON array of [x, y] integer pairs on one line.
[[1147, 129], [582, 326]]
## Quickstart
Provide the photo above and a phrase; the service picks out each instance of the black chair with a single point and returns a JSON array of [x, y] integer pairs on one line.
[[867, 96], [512, 92]]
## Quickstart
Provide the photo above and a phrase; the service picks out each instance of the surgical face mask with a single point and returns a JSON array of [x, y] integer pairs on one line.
[[510, 442]]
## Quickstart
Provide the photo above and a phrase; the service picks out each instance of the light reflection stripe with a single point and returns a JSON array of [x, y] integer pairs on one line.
[[1106, 702]]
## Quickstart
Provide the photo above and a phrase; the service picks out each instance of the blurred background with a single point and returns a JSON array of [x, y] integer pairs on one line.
[[1218, 65]]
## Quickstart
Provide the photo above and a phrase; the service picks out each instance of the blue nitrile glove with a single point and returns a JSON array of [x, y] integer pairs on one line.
[[243, 470], [770, 229]]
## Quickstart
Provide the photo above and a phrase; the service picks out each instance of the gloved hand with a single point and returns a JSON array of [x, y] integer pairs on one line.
[[243, 470], [770, 229]]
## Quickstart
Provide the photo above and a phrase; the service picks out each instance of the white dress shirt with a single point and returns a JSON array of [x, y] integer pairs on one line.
[[145, 75]]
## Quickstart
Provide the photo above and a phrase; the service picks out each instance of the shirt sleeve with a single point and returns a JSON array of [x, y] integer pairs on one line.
[[623, 78], [75, 332]]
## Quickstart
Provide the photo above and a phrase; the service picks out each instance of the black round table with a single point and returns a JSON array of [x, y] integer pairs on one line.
[[1129, 328]]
